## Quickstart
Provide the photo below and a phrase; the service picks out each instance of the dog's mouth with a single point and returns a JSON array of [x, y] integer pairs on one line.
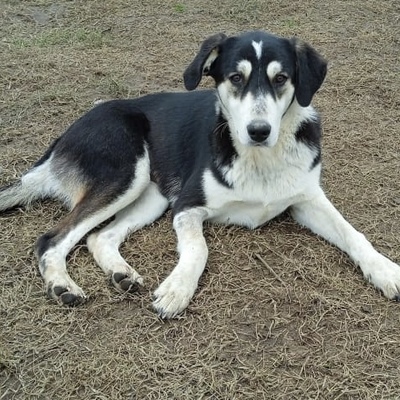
[[249, 143], [259, 144]]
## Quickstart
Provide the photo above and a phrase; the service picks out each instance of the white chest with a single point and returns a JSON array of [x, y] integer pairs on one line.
[[262, 186]]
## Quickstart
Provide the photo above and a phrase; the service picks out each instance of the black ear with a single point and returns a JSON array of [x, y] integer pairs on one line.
[[310, 71], [201, 64]]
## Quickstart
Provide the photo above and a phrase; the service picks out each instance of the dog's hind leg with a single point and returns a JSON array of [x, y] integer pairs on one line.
[[105, 243], [96, 205]]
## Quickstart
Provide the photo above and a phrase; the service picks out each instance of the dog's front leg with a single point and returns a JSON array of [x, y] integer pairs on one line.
[[324, 219], [174, 294]]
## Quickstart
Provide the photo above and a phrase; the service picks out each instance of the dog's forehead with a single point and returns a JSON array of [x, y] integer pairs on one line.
[[259, 47]]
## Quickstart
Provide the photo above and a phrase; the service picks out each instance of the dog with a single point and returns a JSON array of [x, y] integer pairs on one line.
[[241, 153]]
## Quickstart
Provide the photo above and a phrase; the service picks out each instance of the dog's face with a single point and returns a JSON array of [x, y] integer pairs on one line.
[[257, 76], [254, 78]]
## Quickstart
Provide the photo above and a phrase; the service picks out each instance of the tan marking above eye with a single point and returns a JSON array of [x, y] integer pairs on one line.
[[244, 67], [273, 69]]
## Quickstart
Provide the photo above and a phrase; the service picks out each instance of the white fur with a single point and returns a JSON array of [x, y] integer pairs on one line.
[[257, 48], [244, 67], [273, 68], [210, 59], [43, 181], [260, 107]]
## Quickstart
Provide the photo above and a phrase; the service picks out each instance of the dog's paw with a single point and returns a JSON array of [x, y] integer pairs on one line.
[[69, 295], [173, 296], [126, 282], [385, 276]]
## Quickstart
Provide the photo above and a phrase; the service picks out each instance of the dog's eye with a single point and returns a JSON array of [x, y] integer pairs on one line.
[[280, 79], [236, 78]]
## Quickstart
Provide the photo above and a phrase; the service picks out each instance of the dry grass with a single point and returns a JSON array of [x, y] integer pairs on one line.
[[279, 313]]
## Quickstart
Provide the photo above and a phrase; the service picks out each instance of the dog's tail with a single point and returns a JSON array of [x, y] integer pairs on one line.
[[15, 195], [33, 185]]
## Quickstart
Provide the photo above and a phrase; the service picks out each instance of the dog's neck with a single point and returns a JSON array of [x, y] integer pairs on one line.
[[222, 147]]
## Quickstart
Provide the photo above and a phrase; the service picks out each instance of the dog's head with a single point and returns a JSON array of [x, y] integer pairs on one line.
[[258, 77]]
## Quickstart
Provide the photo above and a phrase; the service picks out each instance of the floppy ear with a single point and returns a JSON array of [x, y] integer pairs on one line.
[[310, 71], [201, 64]]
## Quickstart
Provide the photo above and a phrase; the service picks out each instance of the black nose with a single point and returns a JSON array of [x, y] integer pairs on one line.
[[259, 131]]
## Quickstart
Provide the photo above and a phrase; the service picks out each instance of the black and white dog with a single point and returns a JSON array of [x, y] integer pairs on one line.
[[240, 154]]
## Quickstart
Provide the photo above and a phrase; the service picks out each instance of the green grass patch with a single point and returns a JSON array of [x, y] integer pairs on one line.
[[65, 37], [290, 23], [180, 8]]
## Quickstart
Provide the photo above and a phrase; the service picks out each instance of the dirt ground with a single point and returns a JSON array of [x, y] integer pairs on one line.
[[305, 327]]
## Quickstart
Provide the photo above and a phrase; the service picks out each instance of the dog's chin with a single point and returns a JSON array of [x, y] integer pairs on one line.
[[258, 144], [267, 143]]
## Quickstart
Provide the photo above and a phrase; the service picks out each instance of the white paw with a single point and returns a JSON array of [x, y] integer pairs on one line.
[[127, 281], [173, 296], [385, 275], [107, 256], [66, 292]]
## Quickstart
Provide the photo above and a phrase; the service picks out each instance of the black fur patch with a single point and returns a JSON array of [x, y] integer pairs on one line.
[[223, 150], [105, 144], [310, 133]]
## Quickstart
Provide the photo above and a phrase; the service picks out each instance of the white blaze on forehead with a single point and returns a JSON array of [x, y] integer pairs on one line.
[[244, 67], [258, 48], [273, 68]]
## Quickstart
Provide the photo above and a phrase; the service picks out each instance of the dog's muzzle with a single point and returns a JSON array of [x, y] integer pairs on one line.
[[259, 131]]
